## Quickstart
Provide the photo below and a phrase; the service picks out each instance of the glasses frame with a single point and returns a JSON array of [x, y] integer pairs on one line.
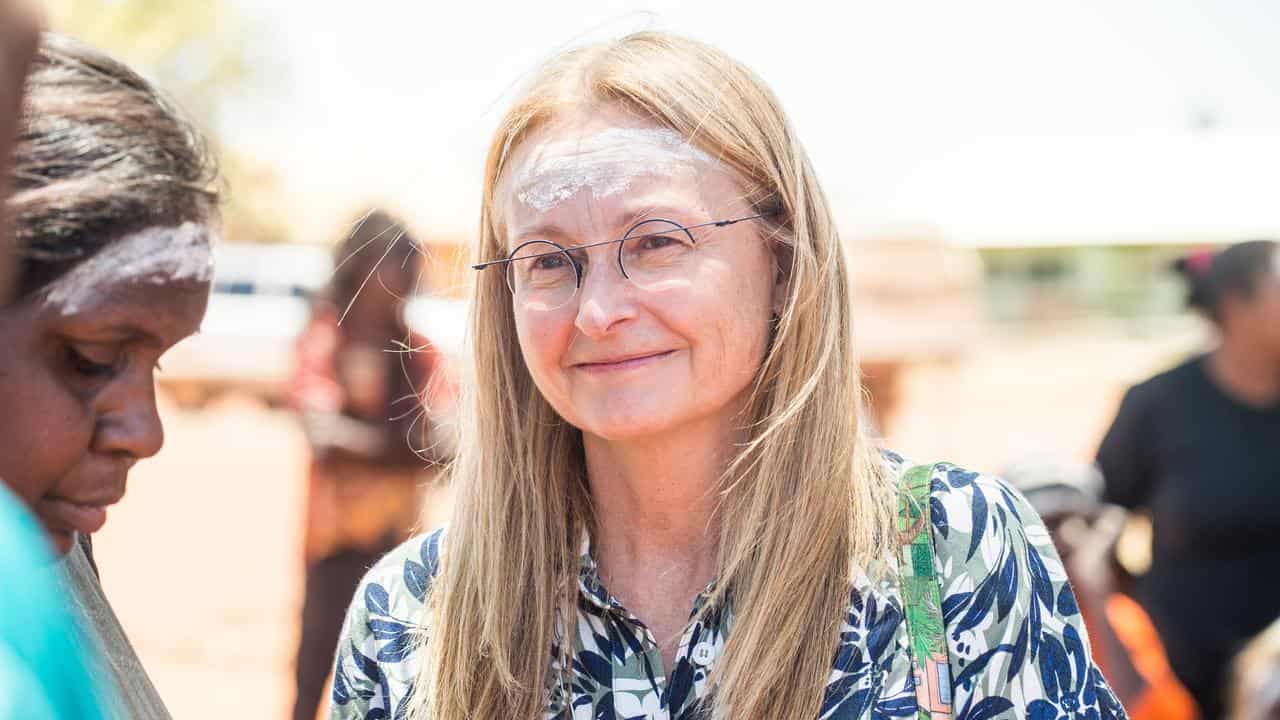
[[577, 267]]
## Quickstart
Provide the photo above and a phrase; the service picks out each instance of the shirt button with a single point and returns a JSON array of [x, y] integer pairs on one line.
[[702, 653]]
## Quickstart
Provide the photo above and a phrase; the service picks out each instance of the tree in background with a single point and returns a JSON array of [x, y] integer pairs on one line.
[[205, 54]]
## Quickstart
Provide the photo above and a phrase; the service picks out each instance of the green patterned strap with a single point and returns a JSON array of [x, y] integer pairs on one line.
[[922, 597]]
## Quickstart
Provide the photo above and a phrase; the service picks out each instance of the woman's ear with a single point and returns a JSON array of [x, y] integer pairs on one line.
[[782, 255]]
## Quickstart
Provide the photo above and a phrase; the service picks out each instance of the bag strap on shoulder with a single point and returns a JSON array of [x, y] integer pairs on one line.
[[922, 596]]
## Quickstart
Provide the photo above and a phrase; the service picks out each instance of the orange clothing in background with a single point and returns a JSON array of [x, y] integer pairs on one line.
[[368, 503], [1164, 697]]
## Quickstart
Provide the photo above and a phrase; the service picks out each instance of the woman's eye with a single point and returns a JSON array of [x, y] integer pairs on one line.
[[549, 262], [657, 242], [92, 364]]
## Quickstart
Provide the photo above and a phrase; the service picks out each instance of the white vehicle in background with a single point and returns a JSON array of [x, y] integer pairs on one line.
[[259, 306], [261, 303]]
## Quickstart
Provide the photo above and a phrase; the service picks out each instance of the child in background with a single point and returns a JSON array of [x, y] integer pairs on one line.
[[1085, 530]]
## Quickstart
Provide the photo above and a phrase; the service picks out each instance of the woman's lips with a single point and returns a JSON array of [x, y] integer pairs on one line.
[[624, 364], [87, 519]]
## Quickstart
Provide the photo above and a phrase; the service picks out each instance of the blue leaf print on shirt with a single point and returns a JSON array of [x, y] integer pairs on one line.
[[979, 521], [986, 708], [981, 606], [398, 649], [938, 513], [853, 706], [373, 672], [836, 691], [681, 684], [596, 667], [959, 478], [1041, 585], [617, 647], [902, 706], [387, 629], [1009, 503], [341, 696], [976, 667], [1037, 626], [416, 579], [1067, 602], [376, 600], [1055, 671], [1067, 678], [1075, 650], [1008, 587], [1019, 654], [402, 709], [880, 628], [1041, 710], [628, 636], [431, 553], [952, 605]]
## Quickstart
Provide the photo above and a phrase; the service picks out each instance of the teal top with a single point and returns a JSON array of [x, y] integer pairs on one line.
[[43, 668]]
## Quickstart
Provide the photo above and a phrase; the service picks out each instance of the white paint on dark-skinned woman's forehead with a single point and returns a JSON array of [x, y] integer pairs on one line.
[[604, 163], [155, 256]]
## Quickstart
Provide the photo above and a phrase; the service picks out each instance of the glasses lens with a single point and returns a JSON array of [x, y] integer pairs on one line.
[[541, 276], [655, 250]]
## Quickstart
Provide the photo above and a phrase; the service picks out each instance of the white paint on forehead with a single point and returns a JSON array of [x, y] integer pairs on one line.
[[157, 255], [606, 163]]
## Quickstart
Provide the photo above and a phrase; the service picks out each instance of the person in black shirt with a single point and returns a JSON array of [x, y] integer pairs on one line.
[[1198, 448]]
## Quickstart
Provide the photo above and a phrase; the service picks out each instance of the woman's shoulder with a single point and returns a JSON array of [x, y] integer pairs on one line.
[[400, 580], [970, 510], [1170, 384], [377, 652], [1013, 628]]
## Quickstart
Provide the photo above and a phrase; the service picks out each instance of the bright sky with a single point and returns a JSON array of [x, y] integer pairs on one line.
[[990, 121]]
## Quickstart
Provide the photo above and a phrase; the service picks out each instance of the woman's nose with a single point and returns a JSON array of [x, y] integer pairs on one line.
[[128, 421], [605, 298]]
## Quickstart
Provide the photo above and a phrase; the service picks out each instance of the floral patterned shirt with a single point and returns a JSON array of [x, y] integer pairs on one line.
[[1016, 638]]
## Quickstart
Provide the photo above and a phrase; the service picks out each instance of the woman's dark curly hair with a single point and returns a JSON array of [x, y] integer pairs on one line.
[[100, 154]]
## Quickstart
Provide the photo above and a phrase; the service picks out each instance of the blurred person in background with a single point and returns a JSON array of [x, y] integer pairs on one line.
[[371, 394], [1255, 682], [668, 505], [111, 211], [44, 673], [1085, 531], [1198, 448]]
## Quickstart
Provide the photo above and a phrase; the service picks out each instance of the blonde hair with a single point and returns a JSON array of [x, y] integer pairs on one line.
[[804, 501]]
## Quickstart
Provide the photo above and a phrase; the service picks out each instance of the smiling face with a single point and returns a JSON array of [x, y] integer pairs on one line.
[[77, 373], [674, 351]]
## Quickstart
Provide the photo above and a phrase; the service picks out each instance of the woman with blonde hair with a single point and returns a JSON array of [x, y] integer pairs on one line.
[[667, 503]]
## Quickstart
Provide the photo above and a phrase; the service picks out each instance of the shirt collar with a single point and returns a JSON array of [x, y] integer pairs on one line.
[[592, 589]]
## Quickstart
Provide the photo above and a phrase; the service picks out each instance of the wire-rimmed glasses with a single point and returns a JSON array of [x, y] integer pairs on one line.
[[544, 275]]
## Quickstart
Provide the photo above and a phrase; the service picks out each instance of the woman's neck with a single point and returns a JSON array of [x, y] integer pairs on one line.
[[654, 500], [655, 536], [1245, 375]]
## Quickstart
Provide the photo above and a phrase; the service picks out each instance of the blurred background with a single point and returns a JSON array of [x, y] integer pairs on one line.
[[1013, 180]]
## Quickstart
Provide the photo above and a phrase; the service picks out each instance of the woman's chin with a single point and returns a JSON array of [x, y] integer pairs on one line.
[[631, 426]]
